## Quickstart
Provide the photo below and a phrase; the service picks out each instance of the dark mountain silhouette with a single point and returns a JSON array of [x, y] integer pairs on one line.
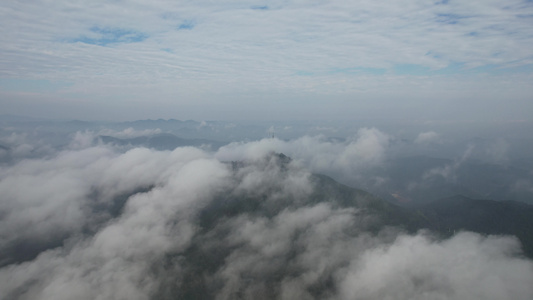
[[457, 213], [422, 179]]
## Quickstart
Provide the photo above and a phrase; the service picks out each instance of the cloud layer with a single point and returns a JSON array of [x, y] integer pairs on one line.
[[146, 224], [119, 54]]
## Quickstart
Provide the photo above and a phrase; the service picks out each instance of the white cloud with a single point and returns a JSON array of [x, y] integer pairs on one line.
[[58, 193], [46, 198], [23, 145], [298, 50], [348, 159], [467, 266], [82, 140]]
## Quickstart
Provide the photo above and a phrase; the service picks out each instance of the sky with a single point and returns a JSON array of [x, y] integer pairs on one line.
[[267, 60]]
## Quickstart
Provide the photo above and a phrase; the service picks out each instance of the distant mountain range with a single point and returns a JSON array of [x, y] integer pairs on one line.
[[422, 179], [445, 216]]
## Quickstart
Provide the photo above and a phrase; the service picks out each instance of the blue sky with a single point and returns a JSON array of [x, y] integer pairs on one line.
[[231, 60]]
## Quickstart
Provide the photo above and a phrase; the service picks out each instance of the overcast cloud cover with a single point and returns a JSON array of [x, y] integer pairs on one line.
[[267, 60], [68, 206]]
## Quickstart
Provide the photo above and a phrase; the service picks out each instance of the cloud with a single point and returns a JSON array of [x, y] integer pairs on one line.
[[146, 224], [83, 140], [467, 266], [367, 149], [427, 138], [301, 252], [233, 52], [264, 248], [72, 193], [67, 191], [448, 171], [19, 145], [286, 247]]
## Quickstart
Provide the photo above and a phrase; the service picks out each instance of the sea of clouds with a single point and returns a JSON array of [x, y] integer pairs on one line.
[[93, 221]]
